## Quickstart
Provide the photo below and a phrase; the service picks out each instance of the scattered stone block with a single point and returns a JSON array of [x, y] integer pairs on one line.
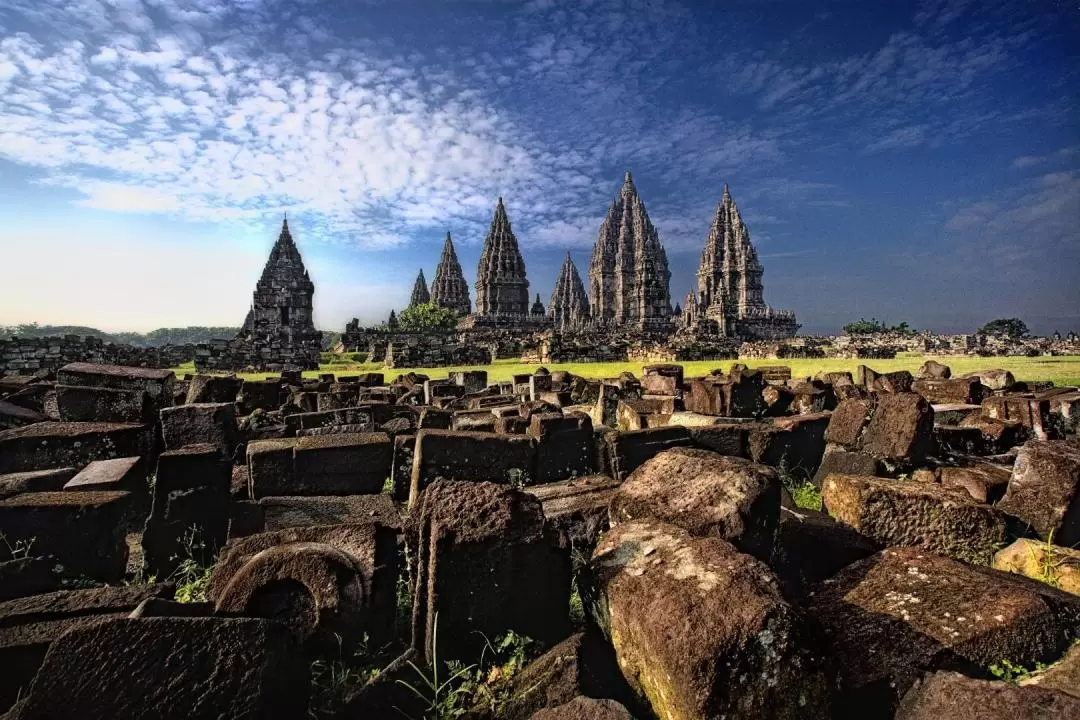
[[61, 444], [577, 509], [997, 435], [706, 494], [900, 429], [1044, 490], [356, 464], [213, 389], [201, 667], [213, 423], [933, 370], [726, 439], [32, 624], [13, 484], [1063, 676], [627, 451], [564, 446], [836, 460], [1058, 566], [128, 474], [701, 630], [485, 566], [985, 482], [994, 379], [954, 413], [898, 381], [795, 444], [486, 457], [952, 695], [13, 416], [263, 395], [1033, 414], [956, 440], [944, 520], [281, 513], [270, 467], [84, 531], [811, 547], [960, 390], [891, 616]]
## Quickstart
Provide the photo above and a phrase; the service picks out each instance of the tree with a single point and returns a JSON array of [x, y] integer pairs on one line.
[[427, 317], [1005, 327], [862, 326]]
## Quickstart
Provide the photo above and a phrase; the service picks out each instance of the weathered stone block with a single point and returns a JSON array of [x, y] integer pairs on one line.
[[793, 443], [901, 429], [484, 566], [564, 446], [58, 444], [213, 423], [281, 513], [960, 390], [260, 395], [730, 439], [97, 404], [453, 455], [270, 467], [1045, 489], [952, 695], [1042, 561], [626, 451], [201, 667], [84, 531], [34, 481], [811, 547], [577, 509], [847, 423], [902, 512], [701, 630], [892, 615], [1031, 413], [213, 389], [157, 384], [127, 474], [357, 464]]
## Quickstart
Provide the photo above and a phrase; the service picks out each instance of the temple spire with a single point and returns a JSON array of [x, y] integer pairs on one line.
[[449, 289], [569, 307], [420, 294], [501, 285]]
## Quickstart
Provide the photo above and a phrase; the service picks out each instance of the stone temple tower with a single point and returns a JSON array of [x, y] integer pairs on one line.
[[628, 275], [280, 321], [729, 281], [449, 289], [420, 294], [569, 306], [501, 285]]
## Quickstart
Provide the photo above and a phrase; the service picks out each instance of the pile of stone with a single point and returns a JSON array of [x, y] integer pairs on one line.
[[341, 514]]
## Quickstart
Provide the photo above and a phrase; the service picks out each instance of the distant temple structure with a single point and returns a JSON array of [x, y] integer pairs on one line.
[[569, 306], [729, 300], [625, 300], [449, 289], [628, 275], [279, 324], [420, 294]]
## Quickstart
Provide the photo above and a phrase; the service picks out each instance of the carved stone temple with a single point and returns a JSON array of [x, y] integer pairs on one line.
[[628, 275], [420, 294], [279, 325], [449, 289], [569, 306], [730, 295], [502, 288]]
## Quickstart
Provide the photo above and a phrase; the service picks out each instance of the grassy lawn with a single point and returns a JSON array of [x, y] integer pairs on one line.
[[1064, 370]]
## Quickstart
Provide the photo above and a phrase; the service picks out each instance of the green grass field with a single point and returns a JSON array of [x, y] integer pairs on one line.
[[1062, 371]]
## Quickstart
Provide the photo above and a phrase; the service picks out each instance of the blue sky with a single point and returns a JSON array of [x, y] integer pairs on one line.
[[909, 161]]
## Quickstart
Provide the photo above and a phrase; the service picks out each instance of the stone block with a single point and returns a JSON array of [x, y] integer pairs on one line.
[[356, 464], [401, 466], [1033, 414], [13, 416], [213, 423], [726, 439], [641, 414], [60, 444], [484, 567], [564, 446], [627, 451], [1044, 489], [577, 509], [260, 395], [847, 423], [933, 370], [895, 614], [34, 481], [32, 624], [811, 547], [952, 695], [706, 494], [125, 474], [213, 389], [201, 667], [997, 380], [1042, 561], [985, 482], [285, 512], [270, 467], [960, 390], [157, 384], [84, 531], [473, 456], [898, 381], [997, 435], [796, 443], [100, 404], [943, 520], [900, 429], [689, 618], [843, 462]]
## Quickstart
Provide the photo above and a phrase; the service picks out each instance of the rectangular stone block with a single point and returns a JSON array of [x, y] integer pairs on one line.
[[472, 456], [126, 474], [471, 380], [84, 531], [957, 390], [60, 444], [260, 395], [34, 481], [270, 464], [158, 384], [342, 464], [213, 423], [660, 385], [706, 396], [98, 404], [628, 450], [564, 446]]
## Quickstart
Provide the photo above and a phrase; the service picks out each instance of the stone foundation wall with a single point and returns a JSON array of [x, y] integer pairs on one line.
[[244, 355], [434, 353], [25, 356]]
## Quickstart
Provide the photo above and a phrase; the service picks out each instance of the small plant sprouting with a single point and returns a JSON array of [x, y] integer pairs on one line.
[[1047, 562], [192, 579], [334, 681], [1014, 672], [797, 481], [21, 549], [444, 698]]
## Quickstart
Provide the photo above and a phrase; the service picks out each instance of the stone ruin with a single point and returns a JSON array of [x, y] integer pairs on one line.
[[744, 544]]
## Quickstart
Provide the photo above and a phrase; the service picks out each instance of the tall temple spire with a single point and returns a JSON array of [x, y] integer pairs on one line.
[[628, 274], [420, 294], [501, 285], [569, 306], [449, 289]]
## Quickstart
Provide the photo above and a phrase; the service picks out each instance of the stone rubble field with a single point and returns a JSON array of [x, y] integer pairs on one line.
[[749, 544]]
